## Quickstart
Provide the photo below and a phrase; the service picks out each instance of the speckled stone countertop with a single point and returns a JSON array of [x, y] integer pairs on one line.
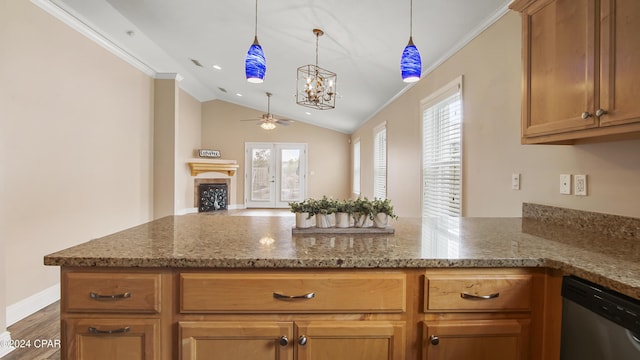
[[209, 241]]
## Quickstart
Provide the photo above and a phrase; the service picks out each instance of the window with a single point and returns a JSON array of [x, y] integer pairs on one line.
[[380, 161], [441, 151], [356, 166]]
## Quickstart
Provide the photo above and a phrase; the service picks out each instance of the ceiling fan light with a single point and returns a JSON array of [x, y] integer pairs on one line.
[[268, 125], [411, 63], [255, 65]]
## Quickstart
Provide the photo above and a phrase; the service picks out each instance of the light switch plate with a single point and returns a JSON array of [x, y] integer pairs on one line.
[[515, 181], [565, 184]]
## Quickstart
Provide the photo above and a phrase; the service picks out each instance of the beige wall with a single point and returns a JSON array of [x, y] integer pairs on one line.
[[78, 127], [188, 140], [165, 125], [491, 69], [328, 159]]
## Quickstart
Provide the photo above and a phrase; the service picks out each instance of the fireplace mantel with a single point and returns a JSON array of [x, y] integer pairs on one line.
[[227, 167]]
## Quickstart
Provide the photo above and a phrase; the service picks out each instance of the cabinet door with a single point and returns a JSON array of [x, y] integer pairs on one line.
[[476, 339], [559, 67], [620, 61], [213, 340], [108, 339], [350, 340]]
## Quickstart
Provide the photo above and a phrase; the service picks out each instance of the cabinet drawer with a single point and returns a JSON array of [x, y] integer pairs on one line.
[[450, 292], [257, 293], [111, 292]]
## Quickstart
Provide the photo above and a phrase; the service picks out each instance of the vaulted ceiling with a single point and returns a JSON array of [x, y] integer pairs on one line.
[[363, 43]]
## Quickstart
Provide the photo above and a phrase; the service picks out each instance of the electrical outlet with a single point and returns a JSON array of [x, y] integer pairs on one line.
[[515, 181], [565, 184], [580, 185]]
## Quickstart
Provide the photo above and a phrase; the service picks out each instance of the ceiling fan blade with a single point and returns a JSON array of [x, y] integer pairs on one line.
[[256, 119], [284, 122]]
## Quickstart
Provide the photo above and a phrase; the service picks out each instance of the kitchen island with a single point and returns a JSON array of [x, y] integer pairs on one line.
[[194, 285]]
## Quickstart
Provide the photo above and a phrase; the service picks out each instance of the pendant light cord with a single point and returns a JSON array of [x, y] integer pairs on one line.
[[256, 27], [317, 37], [410, 19]]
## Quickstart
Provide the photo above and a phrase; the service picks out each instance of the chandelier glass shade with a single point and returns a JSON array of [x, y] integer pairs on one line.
[[316, 87], [255, 64], [411, 63]]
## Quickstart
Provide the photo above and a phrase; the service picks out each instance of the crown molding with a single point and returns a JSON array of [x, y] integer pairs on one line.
[[75, 23]]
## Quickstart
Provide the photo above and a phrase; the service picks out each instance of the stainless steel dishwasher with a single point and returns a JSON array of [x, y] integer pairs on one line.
[[598, 323]]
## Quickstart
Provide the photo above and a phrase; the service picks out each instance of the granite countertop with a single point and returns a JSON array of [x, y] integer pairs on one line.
[[213, 241]]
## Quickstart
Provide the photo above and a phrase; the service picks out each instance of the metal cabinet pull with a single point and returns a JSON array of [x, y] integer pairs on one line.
[[123, 330], [479, 297], [601, 112], [97, 296], [434, 340], [284, 340], [585, 115], [302, 340], [278, 296]]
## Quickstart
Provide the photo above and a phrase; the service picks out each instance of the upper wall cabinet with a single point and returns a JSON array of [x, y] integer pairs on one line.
[[581, 70]]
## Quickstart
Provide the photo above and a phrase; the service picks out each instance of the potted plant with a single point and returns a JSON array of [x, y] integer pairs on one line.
[[362, 211], [323, 209], [344, 209], [382, 210], [303, 211]]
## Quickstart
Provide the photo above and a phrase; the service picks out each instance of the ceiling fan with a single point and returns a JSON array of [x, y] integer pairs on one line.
[[268, 121]]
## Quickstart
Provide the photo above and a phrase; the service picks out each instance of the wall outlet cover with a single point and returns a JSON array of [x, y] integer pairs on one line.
[[565, 184], [580, 185]]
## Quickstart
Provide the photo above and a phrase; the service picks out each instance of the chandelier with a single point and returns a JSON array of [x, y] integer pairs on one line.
[[316, 87]]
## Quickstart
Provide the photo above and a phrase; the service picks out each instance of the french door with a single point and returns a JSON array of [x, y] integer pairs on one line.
[[275, 174]]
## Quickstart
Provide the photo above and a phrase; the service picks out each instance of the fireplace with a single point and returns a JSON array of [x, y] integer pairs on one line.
[[211, 194]]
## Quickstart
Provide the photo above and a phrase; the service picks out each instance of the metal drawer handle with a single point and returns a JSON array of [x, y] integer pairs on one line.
[[123, 330], [479, 297], [278, 296], [97, 296]]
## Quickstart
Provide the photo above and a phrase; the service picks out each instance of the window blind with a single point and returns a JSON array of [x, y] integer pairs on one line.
[[380, 162], [356, 166], [441, 152]]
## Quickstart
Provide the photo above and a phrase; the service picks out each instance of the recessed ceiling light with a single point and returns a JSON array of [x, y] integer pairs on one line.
[[308, 113], [217, 67], [238, 94]]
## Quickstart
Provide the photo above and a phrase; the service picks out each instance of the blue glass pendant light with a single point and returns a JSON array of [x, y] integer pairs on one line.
[[411, 63], [255, 64]]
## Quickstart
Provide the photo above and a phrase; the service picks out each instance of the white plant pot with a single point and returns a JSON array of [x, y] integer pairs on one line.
[[303, 221], [361, 220], [323, 220], [342, 220], [381, 220]]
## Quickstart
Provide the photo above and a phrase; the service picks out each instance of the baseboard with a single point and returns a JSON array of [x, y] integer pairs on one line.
[[5, 340], [33, 303]]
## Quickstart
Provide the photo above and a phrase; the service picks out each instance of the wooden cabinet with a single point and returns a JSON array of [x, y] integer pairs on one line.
[[302, 340], [477, 314], [112, 315], [311, 315], [581, 62], [112, 338], [477, 339]]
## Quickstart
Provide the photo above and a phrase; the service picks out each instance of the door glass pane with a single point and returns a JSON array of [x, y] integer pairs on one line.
[[260, 174], [290, 175]]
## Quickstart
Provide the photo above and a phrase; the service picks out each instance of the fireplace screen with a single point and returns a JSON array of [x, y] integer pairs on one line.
[[212, 197]]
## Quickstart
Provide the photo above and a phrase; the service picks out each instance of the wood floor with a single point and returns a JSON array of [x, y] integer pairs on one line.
[[42, 325]]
